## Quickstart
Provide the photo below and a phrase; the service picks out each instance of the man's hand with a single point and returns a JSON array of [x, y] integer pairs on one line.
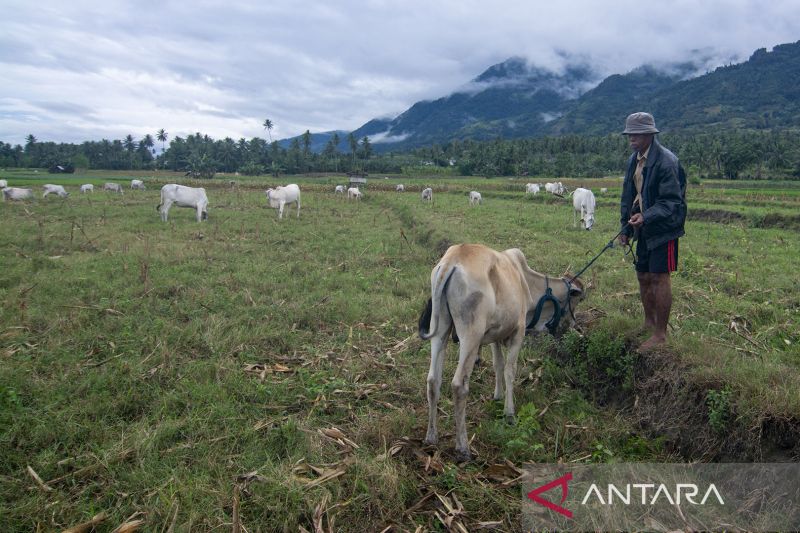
[[636, 220], [623, 240]]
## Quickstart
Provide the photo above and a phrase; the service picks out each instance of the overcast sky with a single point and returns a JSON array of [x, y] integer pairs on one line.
[[87, 70]]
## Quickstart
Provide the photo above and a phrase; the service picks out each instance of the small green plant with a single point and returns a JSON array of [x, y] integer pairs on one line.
[[9, 403], [519, 439], [601, 454], [448, 480], [9, 398], [720, 413]]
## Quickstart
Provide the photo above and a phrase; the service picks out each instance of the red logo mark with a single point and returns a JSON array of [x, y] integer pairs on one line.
[[562, 481]]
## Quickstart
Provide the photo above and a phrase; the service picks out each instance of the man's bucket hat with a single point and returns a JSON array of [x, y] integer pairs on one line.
[[640, 123]]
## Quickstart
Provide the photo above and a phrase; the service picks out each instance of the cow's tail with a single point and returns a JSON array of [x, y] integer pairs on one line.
[[429, 320]]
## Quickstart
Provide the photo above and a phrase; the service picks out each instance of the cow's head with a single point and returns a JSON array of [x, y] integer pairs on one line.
[[576, 295], [204, 215], [588, 220]]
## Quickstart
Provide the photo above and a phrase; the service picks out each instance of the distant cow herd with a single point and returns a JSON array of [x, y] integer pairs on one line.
[[289, 195]]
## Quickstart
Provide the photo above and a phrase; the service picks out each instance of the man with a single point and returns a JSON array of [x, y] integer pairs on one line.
[[654, 211]]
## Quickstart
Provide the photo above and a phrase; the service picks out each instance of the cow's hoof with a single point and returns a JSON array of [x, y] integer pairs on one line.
[[463, 456], [431, 440], [511, 420]]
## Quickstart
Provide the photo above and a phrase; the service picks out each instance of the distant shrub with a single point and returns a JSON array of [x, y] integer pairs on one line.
[[251, 169]]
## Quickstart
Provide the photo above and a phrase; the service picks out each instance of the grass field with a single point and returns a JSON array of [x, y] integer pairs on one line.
[[264, 374]]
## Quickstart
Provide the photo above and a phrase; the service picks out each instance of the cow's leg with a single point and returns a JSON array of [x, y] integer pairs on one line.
[[499, 365], [510, 373], [468, 352], [165, 210], [199, 212], [438, 353], [298, 207], [280, 210]]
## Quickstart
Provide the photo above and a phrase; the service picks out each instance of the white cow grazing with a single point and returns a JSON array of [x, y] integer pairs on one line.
[[87, 187], [3, 184], [113, 187], [138, 184], [339, 189], [583, 203], [353, 192], [555, 188], [58, 190], [16, 193], [475, 198], [280, 196], [427, 194], [487, 297], [603, 190], [183, 196], [400, 188], [532, 188]]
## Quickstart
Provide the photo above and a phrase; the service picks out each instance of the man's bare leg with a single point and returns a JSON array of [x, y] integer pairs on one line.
[[645, 293], [660, 303]]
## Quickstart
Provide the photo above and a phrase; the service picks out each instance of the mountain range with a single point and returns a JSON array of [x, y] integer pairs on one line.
[[514, 100]]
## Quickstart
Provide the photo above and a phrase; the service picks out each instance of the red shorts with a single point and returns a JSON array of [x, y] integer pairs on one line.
[[662, 259]]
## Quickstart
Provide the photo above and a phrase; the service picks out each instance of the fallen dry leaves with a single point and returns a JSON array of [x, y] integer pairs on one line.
[[337, 436], [305, 472], [97, 519], [262, 369]]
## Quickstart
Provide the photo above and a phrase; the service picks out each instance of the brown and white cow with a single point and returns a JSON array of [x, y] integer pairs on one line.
[[488, 297]]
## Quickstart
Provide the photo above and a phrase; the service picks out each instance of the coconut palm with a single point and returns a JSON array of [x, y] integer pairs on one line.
[[268, 127], [147, 142], [161, 135], [351, 140]]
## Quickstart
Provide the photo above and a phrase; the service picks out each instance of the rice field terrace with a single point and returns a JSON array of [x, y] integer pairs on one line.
[[254, 374]]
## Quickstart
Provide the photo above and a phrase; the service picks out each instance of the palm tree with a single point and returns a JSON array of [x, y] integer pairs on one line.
[[161, 135], [268, 126], [366, 147], [129, 143], [335, 143], [147, 141], [351, 140]]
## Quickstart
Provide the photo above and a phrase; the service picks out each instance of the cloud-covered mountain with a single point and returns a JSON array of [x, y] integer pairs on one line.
[[513, 99], [509, 99]]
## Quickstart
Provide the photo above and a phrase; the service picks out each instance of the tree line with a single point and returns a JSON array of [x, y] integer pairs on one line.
[[728, 154]]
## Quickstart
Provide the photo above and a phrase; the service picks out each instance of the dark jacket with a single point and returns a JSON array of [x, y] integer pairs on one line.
[[663, 196]]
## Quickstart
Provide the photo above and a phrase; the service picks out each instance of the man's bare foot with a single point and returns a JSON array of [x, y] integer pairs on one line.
[[652, 342]]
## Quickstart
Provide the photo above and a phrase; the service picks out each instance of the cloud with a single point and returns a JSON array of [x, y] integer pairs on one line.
[[86, 70]]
